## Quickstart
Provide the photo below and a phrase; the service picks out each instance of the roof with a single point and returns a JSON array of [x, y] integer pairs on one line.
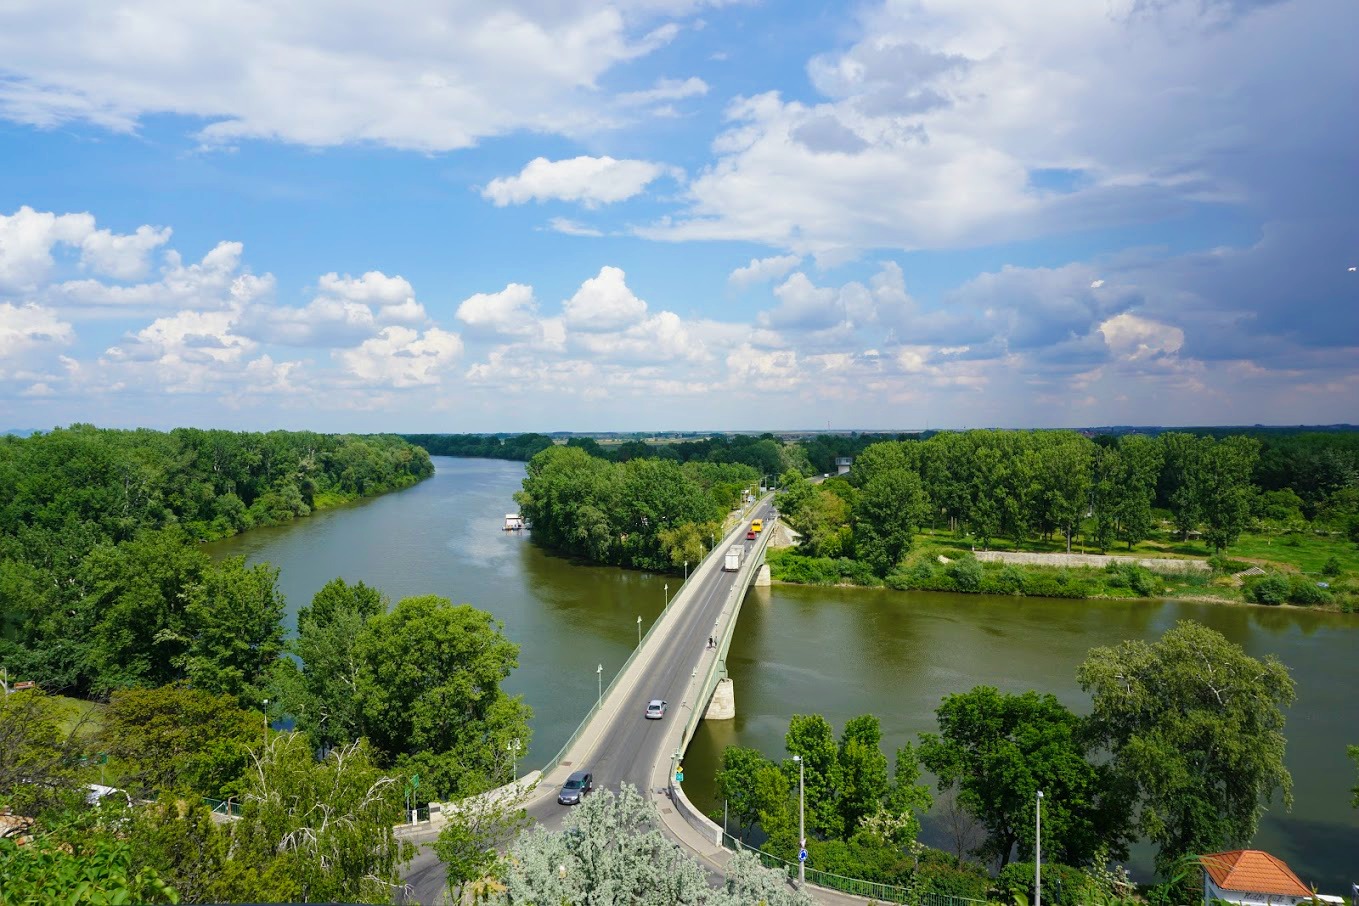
[[1253, 871]]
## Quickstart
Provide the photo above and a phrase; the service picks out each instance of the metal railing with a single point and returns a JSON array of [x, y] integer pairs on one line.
[[887, 893], [223, 807]]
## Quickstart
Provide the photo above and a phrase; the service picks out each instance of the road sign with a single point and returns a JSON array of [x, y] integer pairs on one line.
[[679, 776], [802, 855]]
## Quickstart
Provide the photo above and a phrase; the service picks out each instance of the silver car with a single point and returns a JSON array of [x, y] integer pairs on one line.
[[577, 786], [655, 709]]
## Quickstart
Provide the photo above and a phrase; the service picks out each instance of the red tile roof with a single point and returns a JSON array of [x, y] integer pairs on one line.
[[1252, 871]]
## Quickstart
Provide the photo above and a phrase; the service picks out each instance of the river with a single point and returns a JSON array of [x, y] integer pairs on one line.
[[837, 652]]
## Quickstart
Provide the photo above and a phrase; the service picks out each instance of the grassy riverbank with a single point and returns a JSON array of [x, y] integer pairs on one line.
[[1296, 568]]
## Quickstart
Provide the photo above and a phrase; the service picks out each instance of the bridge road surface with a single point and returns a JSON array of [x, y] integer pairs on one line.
[[621, 745]]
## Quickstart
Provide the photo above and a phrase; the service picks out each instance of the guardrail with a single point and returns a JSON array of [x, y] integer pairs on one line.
[[704, 566], [887, 893], [223, 807]]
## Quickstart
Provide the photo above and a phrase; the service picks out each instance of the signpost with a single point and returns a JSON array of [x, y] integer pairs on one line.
[[802, 855]]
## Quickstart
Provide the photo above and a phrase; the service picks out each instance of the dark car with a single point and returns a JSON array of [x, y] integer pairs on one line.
[[576, 787]]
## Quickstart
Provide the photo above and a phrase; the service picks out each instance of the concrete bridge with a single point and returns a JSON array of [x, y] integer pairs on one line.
[[617, 744]]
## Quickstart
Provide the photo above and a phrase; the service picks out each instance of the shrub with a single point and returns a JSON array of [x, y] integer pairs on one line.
[[1332, 567], [966, 574], [1008, 580], [1268, 589], [1061, 883], [951, 879], [1219, 564], [1302, 590]]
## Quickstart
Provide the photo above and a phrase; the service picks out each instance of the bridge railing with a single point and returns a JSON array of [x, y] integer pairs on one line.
[[705, 565], [886, 893]]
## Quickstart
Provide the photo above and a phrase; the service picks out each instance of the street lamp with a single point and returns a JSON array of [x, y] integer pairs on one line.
[[513, 748], [639, 629], [266, 720], [686, 570], [667, 596], [599, 674], [802, 828], [1038, 850]]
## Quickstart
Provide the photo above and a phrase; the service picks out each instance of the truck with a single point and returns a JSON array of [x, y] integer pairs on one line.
[[757, 526], [734, 555]]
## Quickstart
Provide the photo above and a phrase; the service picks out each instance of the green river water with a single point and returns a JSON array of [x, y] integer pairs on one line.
[[837, 652]]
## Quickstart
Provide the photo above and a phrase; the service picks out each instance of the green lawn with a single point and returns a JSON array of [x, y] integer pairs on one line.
[[83, 718]]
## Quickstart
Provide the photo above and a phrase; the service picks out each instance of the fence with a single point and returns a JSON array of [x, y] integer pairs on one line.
[[886, 893], [223, 807]]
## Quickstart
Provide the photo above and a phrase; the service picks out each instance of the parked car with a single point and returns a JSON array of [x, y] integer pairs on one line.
[[577, 786], [655, 709]]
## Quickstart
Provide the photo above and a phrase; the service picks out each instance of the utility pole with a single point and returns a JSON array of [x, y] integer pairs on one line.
[[802, 828], [1038, 850]]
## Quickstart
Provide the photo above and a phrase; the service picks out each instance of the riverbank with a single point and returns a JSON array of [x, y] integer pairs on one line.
[[933, 567]]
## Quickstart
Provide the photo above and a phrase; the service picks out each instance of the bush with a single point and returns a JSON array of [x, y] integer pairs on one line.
[[1302, 590], [1220, 565], [1008, 580], [966, 574], [1268, 589], [1332, 567], [951, 878], [1061, 883]]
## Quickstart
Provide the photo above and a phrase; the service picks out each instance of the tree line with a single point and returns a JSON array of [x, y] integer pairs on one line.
[[1184, 746], [102, 585], [643, 513]]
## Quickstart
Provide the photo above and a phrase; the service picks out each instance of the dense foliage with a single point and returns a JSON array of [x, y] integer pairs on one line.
[[101, 584], [522, 447], [644, 513]]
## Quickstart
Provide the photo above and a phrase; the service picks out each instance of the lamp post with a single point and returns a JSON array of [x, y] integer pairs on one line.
[[667, 597], [599, 675], [1038, 850], [639, 629], [513, 748], [802, 827], [686, 570], [266, 720]]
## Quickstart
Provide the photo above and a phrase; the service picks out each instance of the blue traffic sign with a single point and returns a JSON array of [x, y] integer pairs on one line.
[[679, 776], [802, 855]]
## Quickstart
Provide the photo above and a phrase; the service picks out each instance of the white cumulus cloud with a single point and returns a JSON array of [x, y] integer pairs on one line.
[[603, 303], [591, 181], [761, 270], [401, 357]]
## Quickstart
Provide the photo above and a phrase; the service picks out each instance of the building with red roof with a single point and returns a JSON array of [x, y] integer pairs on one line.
[[1251, 878]]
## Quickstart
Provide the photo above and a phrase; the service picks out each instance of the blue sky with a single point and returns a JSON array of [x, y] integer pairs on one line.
[[678, 215]]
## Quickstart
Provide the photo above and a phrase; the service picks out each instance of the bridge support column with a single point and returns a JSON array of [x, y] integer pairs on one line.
[[762, 576], [723, 705]]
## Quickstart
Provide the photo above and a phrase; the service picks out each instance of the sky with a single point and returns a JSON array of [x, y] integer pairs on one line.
[[568, 215]]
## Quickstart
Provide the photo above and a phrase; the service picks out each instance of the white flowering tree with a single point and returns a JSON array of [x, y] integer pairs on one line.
[[611, 853]]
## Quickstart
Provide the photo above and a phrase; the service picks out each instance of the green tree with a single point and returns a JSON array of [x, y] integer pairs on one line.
[[863, 771], [478, 829], [1195, 727], [93, 866], [37, 759], [886, 516], [324, 700], [428, 692], [1225, 490], [810, 736], [737, 776], [1001, 749], [180, 740], [1353, 753], [235, 620]]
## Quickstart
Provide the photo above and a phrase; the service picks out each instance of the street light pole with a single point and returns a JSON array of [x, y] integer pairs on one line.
[[802, 827], [639, 629], [667, 596], [686, 570], [266, 720], [599, 674], [1038, 850], [513, 746]]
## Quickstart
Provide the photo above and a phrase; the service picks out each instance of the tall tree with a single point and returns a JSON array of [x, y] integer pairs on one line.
[[235, 627], [1195, 727], [1225, 491], [737, 775], [429, 692], [810, 737], [863, 771], [1001, 749], [888, 511]]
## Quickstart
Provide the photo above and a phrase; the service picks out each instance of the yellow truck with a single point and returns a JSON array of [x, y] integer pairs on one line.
[[757, 526]]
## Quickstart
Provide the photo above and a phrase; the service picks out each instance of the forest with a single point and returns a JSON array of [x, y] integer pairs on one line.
[[102, 585]]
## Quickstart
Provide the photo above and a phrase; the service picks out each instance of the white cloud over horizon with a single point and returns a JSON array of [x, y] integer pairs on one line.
[[590, 181]]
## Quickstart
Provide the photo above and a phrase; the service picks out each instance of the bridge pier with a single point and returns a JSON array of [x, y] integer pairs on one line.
[[761, 579], [723, 705]]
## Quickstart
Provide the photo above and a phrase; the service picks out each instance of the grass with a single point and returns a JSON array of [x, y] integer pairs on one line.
[[84, 719]]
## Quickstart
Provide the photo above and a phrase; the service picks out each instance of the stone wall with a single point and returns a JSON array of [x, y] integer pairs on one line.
[[1099, 561]]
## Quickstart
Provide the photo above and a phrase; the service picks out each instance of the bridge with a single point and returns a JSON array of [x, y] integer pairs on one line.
[[675, 663]]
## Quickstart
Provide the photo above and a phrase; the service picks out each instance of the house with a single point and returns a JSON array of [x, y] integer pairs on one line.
[[1251, 878]]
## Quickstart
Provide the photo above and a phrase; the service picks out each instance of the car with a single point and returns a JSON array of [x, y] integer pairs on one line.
[[655, 709], [750, 536], [577, 786]]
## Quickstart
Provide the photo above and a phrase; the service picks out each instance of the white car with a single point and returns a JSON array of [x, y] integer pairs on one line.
[[655, 709]]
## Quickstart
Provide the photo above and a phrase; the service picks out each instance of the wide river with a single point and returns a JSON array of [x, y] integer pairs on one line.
[[801, 650]]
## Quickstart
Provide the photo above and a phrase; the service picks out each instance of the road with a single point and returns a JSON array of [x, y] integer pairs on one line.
[[622, 746]]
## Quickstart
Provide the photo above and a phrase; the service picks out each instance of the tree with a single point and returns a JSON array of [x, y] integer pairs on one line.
[[1225, 490], [180, 740], [83, 865], [324, 700], [610, 851], [737, 776], [1195, 726], [478, 829], [810, 736], [37, 760], [885, 518], [1353, 753], [1065, 480], [863, 771], [235, 619], [428, 692], [1001, 749]]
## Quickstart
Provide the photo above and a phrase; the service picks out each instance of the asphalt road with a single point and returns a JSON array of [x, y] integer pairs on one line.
[[628, 747]]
